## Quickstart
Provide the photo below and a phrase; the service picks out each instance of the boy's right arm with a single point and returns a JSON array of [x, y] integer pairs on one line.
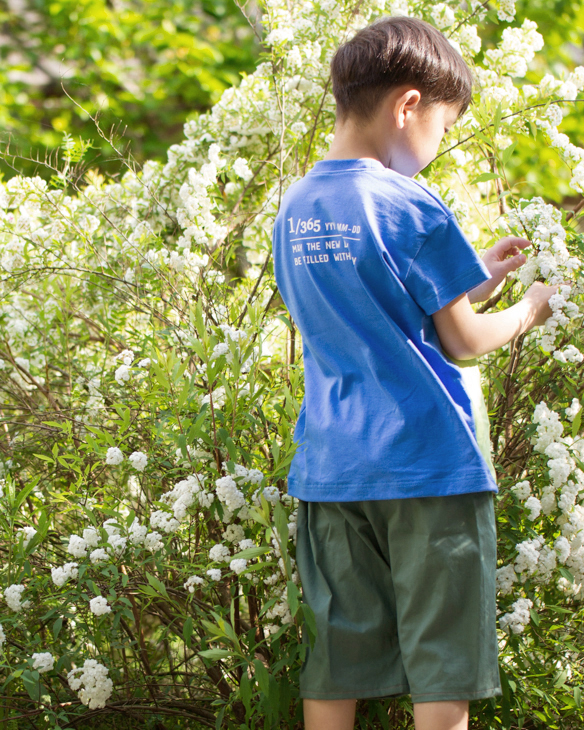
[[464, 334]]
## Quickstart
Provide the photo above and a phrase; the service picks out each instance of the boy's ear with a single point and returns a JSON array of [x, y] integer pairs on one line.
[[405, 105]]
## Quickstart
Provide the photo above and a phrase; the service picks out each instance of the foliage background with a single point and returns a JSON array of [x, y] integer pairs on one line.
[[142, 67], [171, 260]]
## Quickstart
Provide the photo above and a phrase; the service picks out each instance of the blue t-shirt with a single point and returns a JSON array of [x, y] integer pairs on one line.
[[363, 257]]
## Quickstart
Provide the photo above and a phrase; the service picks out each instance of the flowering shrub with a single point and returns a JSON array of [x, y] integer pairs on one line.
[[151, 380]]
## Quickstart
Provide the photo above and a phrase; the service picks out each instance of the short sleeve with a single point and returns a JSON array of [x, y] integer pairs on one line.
[[445, 267]]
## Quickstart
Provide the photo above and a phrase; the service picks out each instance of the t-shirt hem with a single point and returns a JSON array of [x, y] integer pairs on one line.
[[405, 490]]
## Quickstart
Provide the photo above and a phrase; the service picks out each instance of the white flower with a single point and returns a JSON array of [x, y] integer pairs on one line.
[[145, 363], [61, 575], [241, 169], [506, 577], [517, 620], [99, 606], [153, 541], [91, 537], [28, 534], [43, 662], [229, 494], [77, 546], [272, 494], [184, 494], [220, 349], [137, 533], [506, 11], [164, 521], [238, 565], [218, 395], [98, 556], [573, 410], [126, 356], [138, 460], [279, 36], [443, 16], [533, 506], [522, 490], [117, 543], [562, 548], [298, 128], [215, 155], [241, 472], [526, 561], [92, 681], [194, 580], [219, 553], [255, 476], [2, 637], [111, 526], [246, 544], [234, 533], [114, 456], [214, 574], [122, 374], [13, 597]]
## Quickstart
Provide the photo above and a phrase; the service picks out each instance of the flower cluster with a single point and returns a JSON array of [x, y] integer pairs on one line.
[[536, 559], [517, 620], [553, 263], [13, 598], [92, 681], [43, 662]]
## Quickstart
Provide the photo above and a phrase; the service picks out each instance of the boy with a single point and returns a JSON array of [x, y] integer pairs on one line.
[[396, 534]]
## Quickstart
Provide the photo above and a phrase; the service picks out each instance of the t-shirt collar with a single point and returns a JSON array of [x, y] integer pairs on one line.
[[364, 163]]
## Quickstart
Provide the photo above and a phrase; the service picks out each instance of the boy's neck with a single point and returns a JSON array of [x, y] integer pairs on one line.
[[353, 142]]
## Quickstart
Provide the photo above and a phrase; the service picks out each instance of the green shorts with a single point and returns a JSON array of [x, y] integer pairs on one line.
[[403, 592]]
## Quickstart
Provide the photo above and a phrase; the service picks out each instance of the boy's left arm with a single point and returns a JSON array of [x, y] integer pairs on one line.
[[502, 258]]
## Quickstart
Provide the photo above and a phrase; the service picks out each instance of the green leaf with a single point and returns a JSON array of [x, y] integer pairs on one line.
[[566, 574], [497, 119], [184, 394], [309, 622], [44, 458], [57, 626], [216, 654], [576, 424], [281, 522], [231, 448], [188, 631], [93, 588], [508, 152], [253, 552], [262, 676], [245, 692], [485, 177], [293, 597], [23, 494], [31, 681], [157, 584], [285, 320], [499, 386]]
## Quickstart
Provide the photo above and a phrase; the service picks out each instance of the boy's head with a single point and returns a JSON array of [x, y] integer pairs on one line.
[[392, 53]]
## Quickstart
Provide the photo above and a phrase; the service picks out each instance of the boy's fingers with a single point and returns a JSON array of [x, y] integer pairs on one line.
[[511, 242], [514, 263]]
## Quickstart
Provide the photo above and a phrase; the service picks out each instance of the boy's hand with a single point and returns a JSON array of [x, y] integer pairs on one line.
[[538, 296], [502, 258]]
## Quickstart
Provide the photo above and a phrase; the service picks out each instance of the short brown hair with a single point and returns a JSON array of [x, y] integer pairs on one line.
[[392, 52]]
